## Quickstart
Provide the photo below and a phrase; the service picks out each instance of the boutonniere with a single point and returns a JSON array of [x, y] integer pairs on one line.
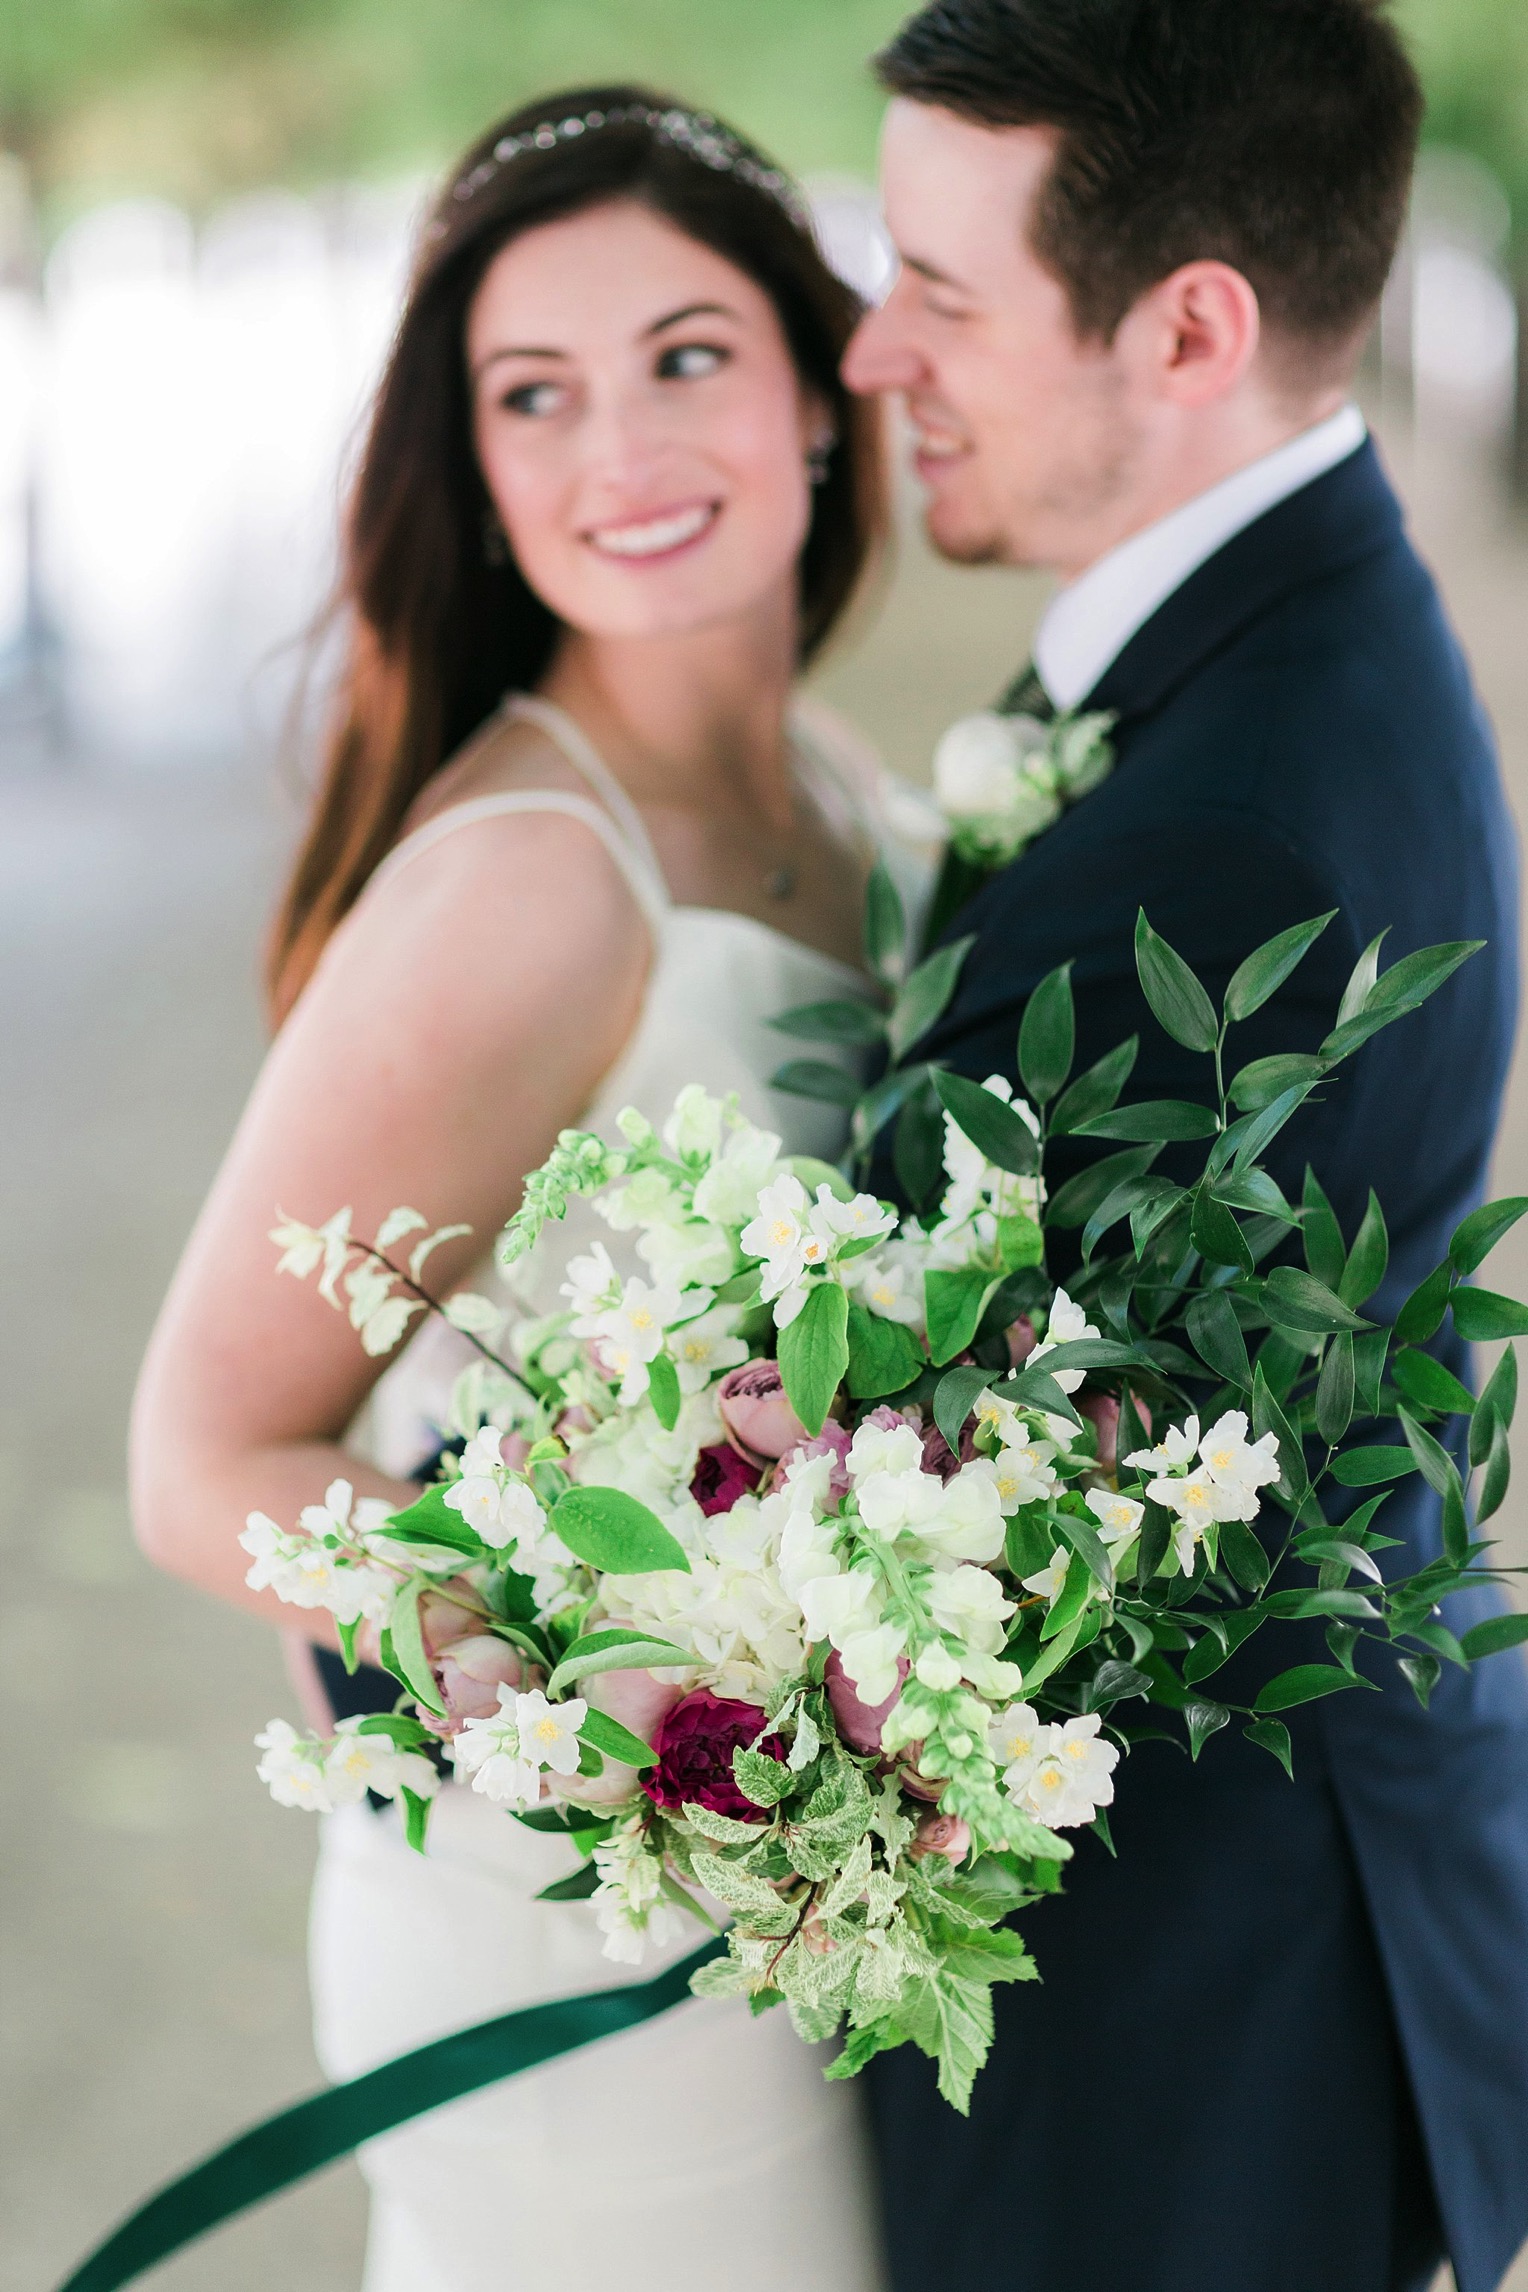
[[1002, 780]]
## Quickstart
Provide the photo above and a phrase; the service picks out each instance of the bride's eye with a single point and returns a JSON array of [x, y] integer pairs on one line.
[[688, 361], [532, 398]]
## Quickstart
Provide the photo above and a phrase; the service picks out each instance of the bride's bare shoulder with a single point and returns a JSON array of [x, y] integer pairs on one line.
[[507, 753]]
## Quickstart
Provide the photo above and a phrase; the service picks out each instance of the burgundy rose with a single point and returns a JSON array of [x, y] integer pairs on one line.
[[857, 1722], [939, 1457], [722, 1475], [760, 1422], [695, 1743]]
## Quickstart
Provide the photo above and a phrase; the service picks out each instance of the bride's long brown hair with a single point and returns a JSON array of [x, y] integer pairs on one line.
[[437, 631]]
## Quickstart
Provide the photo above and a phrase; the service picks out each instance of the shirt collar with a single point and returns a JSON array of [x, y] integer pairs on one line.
[[1088, 623]]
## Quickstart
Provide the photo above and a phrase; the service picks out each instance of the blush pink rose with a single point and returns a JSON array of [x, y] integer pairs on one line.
[[469, 1673], [760, 1422], [639, 1702], [859, 1723], [943, 1835]]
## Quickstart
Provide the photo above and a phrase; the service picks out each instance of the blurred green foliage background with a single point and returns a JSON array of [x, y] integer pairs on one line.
[[199, 98]]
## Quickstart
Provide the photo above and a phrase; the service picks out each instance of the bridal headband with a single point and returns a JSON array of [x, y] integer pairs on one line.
[[695, 133]]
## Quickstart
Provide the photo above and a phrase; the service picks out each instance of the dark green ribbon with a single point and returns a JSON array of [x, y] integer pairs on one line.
[[289, 2146]]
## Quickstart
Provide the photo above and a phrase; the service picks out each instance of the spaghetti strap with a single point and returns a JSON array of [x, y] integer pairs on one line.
[[636, 865], [577, 749]]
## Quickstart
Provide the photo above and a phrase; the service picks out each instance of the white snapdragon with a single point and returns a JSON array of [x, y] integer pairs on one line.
[[360, 1762], [871, 1661], [507, 1753], [493, 1501], [969, 1603], [969, 1522], [729, 1193], [1068, 1323], [694, 1129], [629, 1906]]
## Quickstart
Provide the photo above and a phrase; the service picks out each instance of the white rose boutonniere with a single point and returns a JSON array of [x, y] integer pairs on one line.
[[1000, 781]]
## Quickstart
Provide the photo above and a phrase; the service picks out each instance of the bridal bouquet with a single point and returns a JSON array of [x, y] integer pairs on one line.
[[820, 1574]]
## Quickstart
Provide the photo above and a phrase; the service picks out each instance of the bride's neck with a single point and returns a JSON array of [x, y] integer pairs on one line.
[[696, 720]]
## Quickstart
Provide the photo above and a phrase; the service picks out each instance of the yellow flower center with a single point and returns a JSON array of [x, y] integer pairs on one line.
[[641, 1318], [1078, 1749], [782, 1233], [1050, 1778], [547, 1730]]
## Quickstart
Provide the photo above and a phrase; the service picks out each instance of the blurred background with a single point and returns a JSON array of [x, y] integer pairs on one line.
[[205, 209]]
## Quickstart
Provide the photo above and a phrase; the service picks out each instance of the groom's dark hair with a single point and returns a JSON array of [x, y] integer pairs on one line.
[[1274, 135]]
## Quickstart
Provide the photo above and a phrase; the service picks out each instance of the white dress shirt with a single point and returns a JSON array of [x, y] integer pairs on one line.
[[1087, 624]]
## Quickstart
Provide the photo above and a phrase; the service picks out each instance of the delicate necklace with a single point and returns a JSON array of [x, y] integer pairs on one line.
[[780, 882]]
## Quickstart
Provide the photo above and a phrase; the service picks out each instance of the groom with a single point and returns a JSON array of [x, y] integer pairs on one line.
[[1281, 2045]]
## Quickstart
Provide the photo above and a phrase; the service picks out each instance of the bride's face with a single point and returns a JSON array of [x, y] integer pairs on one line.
[[640, 426]]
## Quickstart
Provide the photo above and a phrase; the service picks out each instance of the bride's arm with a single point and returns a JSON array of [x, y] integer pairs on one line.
[[462, 1014]]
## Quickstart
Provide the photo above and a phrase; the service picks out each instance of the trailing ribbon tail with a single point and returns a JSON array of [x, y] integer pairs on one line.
[[328, 2125]]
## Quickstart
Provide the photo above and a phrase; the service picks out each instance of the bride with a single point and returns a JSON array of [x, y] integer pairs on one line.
[[577, 839]]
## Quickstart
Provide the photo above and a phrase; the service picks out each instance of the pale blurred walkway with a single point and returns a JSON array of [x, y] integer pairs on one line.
[[153, 1898]]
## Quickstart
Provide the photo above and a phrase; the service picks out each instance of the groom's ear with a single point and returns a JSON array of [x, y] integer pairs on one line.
[[1193, 336]]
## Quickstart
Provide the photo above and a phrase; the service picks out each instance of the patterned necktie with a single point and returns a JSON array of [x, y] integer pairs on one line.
[[1027, 696]]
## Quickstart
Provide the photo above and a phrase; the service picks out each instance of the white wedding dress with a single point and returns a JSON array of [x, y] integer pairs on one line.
[[702, 2151]]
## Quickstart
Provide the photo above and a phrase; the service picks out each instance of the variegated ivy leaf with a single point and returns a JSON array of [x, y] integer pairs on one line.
[[720, 1978], [807, 1744], [882, 1894], [396, 1224], [881, 1973], [887, 1819], [754, 1898], [421, 1250], [813, 2024], [851, 1884], [726, 1830], [477, 1316]]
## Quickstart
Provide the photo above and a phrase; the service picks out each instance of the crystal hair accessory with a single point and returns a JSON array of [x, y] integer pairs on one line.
[[695, 133]]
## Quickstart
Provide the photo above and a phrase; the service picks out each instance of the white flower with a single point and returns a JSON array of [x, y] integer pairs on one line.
[[782, 1237], [694, 1129], [1050, 1581], [505, 1754], [887, 1287], [293, 1768], [706, 1347], [592, 1285], [969, 1521], [890, 1503], [1073, 1776], [883, 1448], [730, 1191], [308, 1573], [632, 1333], [1176, 1450], [501, 1509], [1239, 1468], [549, 1731], [629, 1907], [360, 1763], [1013, 1738], [689, 1255], [937, 1668], [869, 1659], [1024, 1473], [1068, 1323], [969, 1603], [1118, 1516], [978, 764], [838, 1606], [864, 1218]]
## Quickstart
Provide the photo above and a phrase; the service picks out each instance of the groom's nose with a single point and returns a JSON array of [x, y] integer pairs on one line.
[[882, 353]]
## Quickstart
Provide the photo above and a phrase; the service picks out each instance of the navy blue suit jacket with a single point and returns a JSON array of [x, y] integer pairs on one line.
[[1216, 2035]]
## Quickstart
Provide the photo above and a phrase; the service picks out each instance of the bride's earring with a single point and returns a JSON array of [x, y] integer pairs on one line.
[[495, 547], [819, 458]]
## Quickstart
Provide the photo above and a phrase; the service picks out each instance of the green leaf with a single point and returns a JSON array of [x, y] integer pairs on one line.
[[1216, 1336], [855, 1024], [763, 1780], [416, 1818], [576, 1887], [1036, 1388], [1325, 1253], [1426, 1381], [1497, 1473], [1422, 1314], [615, 1647], [1097, 1090], [917, 1151], [1215, 1233], [663, 1390], [1154, 1121], [430, 1520], [922, 1002], [347, 1635], [402, 1731], [950, 2020], [1236, 1627], [1085, 1543], [954, 1302], [1175, 995], [1273, 1736], [1423, 1672], [1404, 987], [813, 1352], [1361, 980], [1369, 1351], [1316, 1549], [408, 1646], [1264, 1126], [1483, 1314], [1368, 1259], [1268, 1417], [1336, 1602], [1020, 1243], [1266, 1079], [1241, 1552], [1293, 1299], [993, 1128], [1303, 1683], [955, 1396], [1498, 1401], [1204, 1719], [615, 1741], [886, 934], [1266, 969], [1478, 1234], [611, 1531], [884, 1356], [1366, 1467], [814, 1078], [1494, 1635], [1075, 1202], [1048, 1036], [1335, 1391], [1115, 1682]]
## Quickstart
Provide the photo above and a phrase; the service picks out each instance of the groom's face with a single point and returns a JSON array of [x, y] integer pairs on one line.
[[1023, 434]]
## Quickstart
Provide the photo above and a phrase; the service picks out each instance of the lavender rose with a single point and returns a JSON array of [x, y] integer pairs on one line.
[[695, 1743], [760, 1422]]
